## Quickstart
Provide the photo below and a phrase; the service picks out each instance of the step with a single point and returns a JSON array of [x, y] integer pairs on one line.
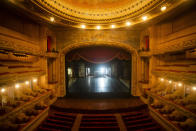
[[61, 117], [132, 113], [59, 121], [55, 126], [134, 117], [155, 128], [98, 125], [102, 122], [145, 120], [65, 115], [99, 129], [46, 129], [141, 126], [99, 120]]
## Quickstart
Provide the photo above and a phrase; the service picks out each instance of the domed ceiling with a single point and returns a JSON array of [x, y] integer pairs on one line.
[[98, 11], [96, 4], [104, 13]]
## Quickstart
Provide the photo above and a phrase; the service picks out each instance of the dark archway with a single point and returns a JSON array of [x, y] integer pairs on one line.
[[100, 70], [134, 77]]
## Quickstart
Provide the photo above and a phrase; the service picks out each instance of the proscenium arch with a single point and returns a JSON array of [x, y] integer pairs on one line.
[[68, 48]]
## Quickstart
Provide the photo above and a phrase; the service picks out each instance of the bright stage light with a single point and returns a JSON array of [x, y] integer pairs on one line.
[[102, 70]]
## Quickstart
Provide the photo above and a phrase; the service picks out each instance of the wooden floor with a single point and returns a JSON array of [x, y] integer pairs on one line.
[[101, 105], [95, 85]]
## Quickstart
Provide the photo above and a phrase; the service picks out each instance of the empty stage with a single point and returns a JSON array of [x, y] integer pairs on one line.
[[101, 85]]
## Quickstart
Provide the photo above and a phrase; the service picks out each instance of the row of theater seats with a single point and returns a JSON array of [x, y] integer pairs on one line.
[[134, 121]]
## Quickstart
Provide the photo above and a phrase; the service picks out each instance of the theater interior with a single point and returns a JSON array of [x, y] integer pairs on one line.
[[94, 65]]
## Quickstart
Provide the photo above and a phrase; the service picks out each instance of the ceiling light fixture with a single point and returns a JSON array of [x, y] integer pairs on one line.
[[17, 86], [162, 79], [128, 23], [27, 82], [113, 26], [83, 26], [34, 80], [52, 19], [170, 81], [98, 27], [2, 90], [144, 18], [163, 8], [194, 88], [179, 84]]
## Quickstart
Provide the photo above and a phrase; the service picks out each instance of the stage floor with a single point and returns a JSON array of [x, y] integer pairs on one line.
[[104, 105], [97, 85]]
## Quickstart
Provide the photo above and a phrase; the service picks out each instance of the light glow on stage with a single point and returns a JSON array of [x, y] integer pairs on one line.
[[102, 70], [101, 84]]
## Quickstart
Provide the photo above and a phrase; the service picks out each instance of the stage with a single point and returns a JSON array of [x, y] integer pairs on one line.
[[97, 105], [97, 86]]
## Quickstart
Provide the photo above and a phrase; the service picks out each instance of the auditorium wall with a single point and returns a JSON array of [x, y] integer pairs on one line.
[[74, 36], [20, 34], [171, 42]]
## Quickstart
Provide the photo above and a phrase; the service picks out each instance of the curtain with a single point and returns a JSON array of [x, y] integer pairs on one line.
[[98, 55]]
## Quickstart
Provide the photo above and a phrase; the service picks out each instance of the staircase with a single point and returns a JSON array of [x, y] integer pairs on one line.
[[139, 121], [133, 121], [58, 121], [99, 122]]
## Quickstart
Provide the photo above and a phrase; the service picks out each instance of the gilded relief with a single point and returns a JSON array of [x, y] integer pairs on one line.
[[128, 37]]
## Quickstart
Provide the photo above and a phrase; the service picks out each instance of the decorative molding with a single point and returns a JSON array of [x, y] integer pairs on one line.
[[90, 16], [179, 44], [185, 76], [14, 41], [145, 53], [67, 14], [51, 55]]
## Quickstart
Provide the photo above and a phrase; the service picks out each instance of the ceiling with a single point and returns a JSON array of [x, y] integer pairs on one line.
[[93, 13]]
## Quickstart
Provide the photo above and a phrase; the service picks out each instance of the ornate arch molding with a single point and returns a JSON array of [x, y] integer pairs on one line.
[[67, 49]]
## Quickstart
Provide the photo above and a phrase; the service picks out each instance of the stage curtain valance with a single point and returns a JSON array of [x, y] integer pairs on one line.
[[98, 55]]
